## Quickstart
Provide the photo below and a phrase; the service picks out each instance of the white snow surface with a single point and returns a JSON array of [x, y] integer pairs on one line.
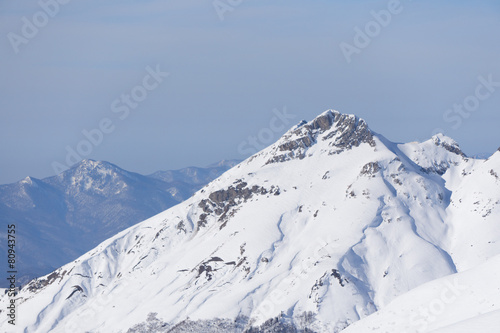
[[332, 220], [465, 302]]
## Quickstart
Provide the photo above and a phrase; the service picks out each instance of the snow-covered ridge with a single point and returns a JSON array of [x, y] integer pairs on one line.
[[447, 143], [334, 229], [64, 216], [435, 155]]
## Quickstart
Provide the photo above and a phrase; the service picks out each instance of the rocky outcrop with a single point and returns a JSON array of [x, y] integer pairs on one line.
[[343, 132], [370, 169], [449, 145], [219, 203]]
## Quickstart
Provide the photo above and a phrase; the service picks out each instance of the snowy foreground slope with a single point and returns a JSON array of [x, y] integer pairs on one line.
[[322, 229], [460, 303]]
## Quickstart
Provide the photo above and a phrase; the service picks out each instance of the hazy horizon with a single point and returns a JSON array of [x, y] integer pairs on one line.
[[234, 68]]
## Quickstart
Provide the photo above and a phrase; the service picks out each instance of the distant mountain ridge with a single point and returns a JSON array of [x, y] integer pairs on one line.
[[61, 217]]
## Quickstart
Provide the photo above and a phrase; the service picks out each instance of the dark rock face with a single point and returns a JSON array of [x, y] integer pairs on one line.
[[343, 131], [233, 193], [37, 284], [336, 274], [451, 148], [208, 269], [220, 202], [370, 169], [439, 169], [350, 132], [323, 122]]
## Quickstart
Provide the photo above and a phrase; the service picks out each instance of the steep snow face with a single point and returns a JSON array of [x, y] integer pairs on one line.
[[460, 303], [474, 213], [60, 218], [437, 154], [321, 229]]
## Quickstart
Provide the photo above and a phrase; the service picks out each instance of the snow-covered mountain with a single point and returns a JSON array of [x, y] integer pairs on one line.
[[459, 303], [62, 217], [331, 226]]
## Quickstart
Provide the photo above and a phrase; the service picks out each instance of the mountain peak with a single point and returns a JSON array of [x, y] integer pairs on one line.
[[30, 181], [325, 120], [94, 169], [447, 143], [27, 180], [95, 176], [335, 131], [93, 164]]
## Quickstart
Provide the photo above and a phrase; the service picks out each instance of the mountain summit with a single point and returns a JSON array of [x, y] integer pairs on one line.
[[341, 132], [324, 228]]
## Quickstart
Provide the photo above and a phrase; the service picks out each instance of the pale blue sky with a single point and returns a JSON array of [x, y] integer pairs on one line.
[[227, 77]]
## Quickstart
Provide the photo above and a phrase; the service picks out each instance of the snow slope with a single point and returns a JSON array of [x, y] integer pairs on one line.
[[325, 227], [62, 217], [464, 302]]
